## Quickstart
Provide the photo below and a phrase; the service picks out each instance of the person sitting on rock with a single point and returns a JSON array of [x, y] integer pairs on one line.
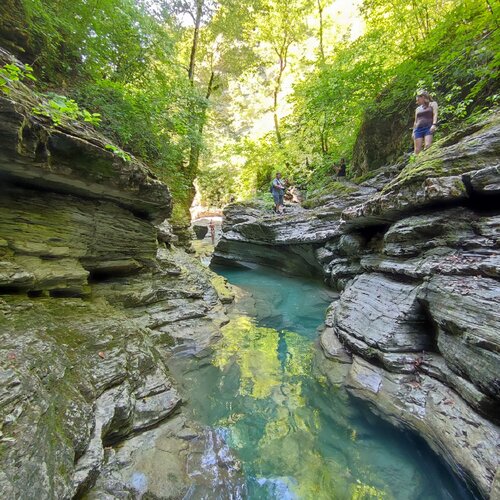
[[341, 171], [278, 192], [425, 123]]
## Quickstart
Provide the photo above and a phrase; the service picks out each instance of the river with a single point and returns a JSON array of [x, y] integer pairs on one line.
[[294, 435]]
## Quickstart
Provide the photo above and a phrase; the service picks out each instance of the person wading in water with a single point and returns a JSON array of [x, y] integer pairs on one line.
[[211, 226], [425, 123]]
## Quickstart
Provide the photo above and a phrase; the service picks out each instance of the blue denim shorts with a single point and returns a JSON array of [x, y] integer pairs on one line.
[[420, 132], [278, 198]]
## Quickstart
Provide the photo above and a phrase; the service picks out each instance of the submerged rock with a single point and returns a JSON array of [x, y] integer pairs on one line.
[[178, 459]]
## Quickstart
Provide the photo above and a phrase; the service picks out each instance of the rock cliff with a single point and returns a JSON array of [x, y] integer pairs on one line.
[[415, 252], [93, 301]]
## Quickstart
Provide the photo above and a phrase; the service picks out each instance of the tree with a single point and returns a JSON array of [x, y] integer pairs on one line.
[[279, 25]]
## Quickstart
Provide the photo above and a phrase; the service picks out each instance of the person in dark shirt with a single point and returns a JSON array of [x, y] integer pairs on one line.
[[342, 168]]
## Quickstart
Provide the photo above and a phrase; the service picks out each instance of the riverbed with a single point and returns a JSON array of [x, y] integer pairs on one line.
[[293, 434]]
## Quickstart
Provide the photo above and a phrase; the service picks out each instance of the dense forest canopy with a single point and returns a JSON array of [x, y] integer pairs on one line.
[[228, 91]]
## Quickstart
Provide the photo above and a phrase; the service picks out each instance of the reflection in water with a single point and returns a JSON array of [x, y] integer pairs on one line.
[[296, 437]]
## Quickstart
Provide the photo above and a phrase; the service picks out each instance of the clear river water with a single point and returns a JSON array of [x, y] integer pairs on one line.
[[294, 435]]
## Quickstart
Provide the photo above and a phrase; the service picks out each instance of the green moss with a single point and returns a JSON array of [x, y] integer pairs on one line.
[[331, 188], [364, 177], [222, 288], [416, 170]]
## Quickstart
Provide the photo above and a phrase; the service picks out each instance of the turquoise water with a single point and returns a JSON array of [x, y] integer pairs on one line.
[[295, 436]]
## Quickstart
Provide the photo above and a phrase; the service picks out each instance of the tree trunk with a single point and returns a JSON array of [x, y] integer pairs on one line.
[[196, 36], [194, 154], [324, 135], [282, 54], [321, 44]]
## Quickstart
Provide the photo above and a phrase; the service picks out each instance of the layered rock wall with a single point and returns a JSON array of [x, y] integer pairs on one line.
[[416, 257], [93, 301]]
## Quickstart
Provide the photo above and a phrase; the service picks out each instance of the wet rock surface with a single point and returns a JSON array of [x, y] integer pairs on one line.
[[94, 300], [416, 257], [176, 460]]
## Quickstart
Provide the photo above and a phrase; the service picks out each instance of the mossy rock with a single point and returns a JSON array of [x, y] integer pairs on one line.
[[338, 188], [476, 147], [223, 289]]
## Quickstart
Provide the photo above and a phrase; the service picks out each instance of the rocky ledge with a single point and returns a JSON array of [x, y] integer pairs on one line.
[[94, 301], [415, 252]]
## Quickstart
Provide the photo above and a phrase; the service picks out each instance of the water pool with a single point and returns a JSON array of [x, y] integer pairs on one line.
[[295, 436]]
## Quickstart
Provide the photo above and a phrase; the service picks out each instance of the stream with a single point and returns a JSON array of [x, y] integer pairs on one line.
[[294, 435]]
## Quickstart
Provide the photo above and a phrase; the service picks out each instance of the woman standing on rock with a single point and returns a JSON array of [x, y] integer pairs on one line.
[[425, 122]]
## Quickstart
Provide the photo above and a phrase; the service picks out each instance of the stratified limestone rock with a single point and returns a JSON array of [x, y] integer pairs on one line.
[[289, 242], [383, 314], [179, 303], [389, 206], [467, 314], [437, 261], [439, 176], [53, 242], [62, 354], [485, 181], [455, 241], [176, 460], [332, 346], [296, 259], [80, 374], [165, 233], [92, 302], [436, 412], [73, 159], [446, 228]]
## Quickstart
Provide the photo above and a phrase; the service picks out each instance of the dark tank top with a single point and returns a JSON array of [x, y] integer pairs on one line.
[[424, 116]]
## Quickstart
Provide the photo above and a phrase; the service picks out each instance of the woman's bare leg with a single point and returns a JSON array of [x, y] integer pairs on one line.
[[418, 145], [428, 141]]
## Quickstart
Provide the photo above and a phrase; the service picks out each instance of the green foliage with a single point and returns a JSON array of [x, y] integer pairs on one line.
[[218, 186], [118, 152], [265, 198], [446, 47], [59, 108], [122, 61], [261, 95], [10, 73]]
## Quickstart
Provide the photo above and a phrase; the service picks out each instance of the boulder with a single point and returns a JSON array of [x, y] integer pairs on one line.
[[382, 313], [200, 231], [466, 312]]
